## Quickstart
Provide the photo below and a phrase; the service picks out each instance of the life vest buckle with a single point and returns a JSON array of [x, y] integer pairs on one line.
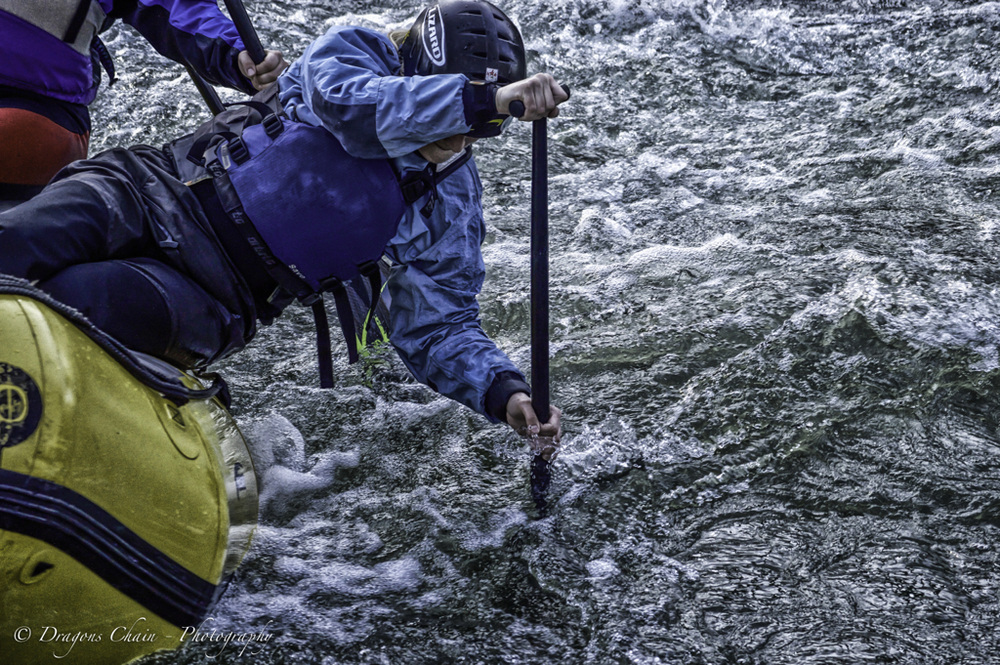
[[238, 150], [310, 299], [330, 284], [272, 126], [414, 184]]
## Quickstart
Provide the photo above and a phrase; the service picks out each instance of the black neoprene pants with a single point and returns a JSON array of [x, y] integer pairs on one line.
[[121, 239]]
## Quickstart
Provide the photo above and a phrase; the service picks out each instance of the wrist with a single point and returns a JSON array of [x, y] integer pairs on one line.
[[480, 101], [505, 385]]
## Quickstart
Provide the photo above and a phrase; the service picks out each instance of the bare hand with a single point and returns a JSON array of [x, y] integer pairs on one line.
[[544, 437], [540, 94], [265, 73]]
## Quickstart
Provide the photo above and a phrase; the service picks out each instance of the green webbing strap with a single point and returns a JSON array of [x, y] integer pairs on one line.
[[383, 334], [370, 270]]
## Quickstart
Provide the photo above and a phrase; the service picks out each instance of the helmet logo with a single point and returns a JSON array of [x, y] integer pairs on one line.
[[492, 75], [433, 34]]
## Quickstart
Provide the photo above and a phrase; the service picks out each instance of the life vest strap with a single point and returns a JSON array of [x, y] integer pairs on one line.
[[416, 184], [76, 23], [200, 148], [104, 57], [324, 350], [345, 314]]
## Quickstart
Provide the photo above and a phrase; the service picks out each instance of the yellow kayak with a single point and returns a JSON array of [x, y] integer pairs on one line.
[[127, 493]]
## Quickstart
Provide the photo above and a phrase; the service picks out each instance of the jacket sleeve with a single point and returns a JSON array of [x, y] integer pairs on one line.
[[434, 284], [189, 31], [348, 82]]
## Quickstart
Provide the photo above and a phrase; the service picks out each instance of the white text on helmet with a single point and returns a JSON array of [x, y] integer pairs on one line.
[[434, 36]]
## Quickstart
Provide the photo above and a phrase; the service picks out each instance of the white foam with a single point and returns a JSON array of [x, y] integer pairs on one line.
[[603, 569], [660, 254], [363, 581], [283, 472]]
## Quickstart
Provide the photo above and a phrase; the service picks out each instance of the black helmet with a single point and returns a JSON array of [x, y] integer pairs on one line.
[[470, 37]]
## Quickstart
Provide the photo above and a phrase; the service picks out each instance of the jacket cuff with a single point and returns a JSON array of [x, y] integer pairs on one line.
[[240, 82], [504, 385], [480, 101]]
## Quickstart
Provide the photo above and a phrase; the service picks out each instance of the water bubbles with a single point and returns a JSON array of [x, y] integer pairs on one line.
[[602, 569], [596, 226], [286, 477]]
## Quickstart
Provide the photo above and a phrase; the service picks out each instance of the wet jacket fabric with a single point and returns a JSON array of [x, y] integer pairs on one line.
[[355, 93], [39, 62]]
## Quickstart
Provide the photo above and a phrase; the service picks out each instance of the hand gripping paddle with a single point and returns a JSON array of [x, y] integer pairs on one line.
[[250, 40]]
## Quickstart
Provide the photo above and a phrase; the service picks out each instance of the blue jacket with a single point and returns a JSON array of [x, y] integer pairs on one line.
[[39, 61], [347, 81]]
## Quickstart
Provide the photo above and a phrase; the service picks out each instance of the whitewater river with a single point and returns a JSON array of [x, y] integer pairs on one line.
[[775, 329]]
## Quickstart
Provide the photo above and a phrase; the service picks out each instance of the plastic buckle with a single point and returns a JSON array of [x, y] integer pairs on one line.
[[272, 126], [310, 299], [238, 150], [330, 284], [414, 185]]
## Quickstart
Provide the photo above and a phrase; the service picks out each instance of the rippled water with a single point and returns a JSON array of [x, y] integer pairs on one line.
[[775, 338]]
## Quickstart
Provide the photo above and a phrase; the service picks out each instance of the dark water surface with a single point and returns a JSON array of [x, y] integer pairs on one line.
[[775, 335]]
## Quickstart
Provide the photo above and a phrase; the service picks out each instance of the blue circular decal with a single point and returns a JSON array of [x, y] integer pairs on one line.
[[20, 405]]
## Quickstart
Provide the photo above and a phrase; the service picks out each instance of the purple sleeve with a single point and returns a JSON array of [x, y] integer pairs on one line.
[[195, 32]]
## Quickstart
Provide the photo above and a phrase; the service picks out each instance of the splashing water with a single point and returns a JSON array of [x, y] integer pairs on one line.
[[775, 336]]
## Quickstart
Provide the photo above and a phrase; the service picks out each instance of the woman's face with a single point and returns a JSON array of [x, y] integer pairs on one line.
[[441, 151]]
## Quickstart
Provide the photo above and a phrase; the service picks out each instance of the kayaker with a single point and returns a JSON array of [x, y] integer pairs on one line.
[[52, 59], [361, 150]]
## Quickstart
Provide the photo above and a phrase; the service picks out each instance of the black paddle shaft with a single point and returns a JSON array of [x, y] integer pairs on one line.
[[208, 93], [540, 270], [541, 475], [539, 262], [245, 28]]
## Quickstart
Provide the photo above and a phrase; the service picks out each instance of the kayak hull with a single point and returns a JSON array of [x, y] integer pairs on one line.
[[122, 512]]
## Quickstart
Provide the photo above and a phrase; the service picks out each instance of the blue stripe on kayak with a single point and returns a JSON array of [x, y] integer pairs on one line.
[[79, 527]]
